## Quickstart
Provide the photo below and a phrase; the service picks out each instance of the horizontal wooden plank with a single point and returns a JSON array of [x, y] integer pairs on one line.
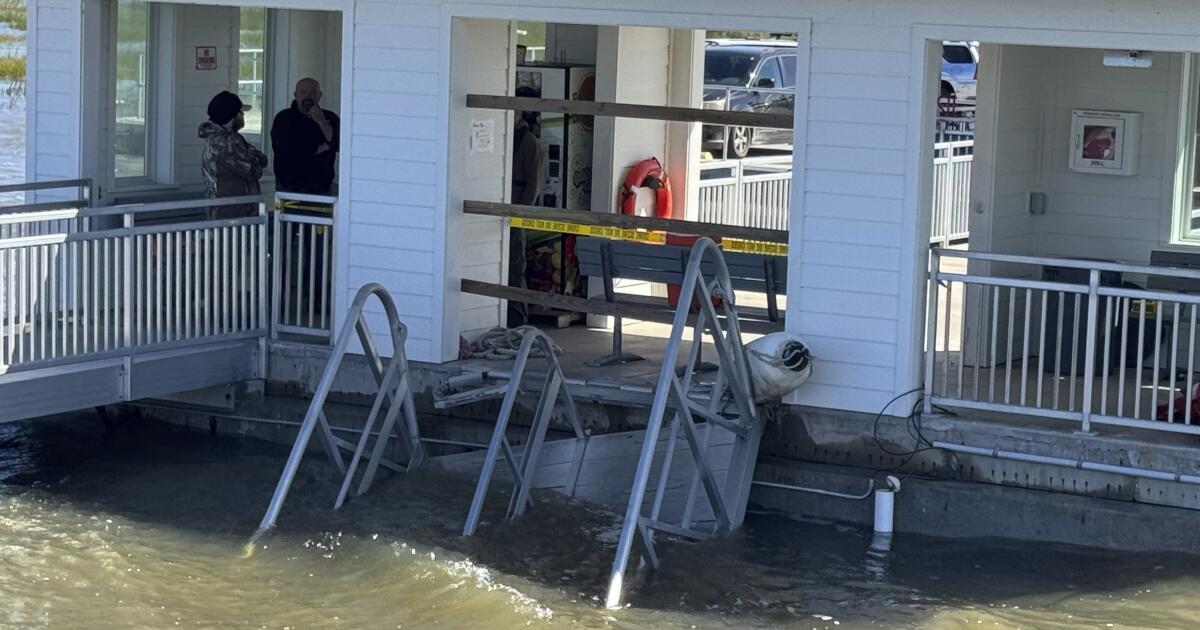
[[609, 219], [568, 303], [644, 312], [626, 110]]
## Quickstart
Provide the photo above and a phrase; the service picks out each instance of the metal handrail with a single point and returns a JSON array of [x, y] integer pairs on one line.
[[671, 392], [1072, 263], [355, 324]]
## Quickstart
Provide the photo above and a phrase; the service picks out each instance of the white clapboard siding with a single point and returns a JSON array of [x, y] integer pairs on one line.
[[393, 199], [849, 302], [52, 134]]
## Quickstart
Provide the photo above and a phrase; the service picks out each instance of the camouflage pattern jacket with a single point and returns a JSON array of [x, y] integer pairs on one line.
[[232, 167]]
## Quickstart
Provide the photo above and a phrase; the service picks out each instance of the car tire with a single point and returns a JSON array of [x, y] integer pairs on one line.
[[740, 141]]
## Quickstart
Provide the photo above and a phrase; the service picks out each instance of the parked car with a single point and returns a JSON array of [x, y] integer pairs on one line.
[[749, 76], [960, 69]]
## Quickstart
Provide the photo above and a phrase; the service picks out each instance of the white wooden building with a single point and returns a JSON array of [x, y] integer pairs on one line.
[[398, 72]]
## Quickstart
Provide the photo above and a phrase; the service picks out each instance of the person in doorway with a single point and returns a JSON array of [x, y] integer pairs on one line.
[[231, 165], [526, 185], [305, 140]]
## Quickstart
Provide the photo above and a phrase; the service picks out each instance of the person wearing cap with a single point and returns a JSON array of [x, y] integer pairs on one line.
[[231, 165], [305, 140]]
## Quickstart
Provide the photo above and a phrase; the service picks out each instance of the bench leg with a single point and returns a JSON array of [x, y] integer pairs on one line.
[[618, 356]]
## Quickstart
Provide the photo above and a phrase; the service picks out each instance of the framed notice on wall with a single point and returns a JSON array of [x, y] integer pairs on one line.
[[1105, 142], [206, 57]]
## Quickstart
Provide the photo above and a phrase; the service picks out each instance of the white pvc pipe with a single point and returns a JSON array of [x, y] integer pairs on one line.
[[1143, 473], [885, 501]]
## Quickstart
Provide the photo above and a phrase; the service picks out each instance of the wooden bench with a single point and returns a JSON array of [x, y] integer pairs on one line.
[[611, 259], [1182, 260]]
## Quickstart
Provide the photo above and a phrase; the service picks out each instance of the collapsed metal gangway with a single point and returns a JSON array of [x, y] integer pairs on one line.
[[713, 426]]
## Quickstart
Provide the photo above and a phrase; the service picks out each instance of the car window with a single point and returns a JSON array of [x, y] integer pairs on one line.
[[957, 54], [789, 70], [769, 70], [726, 67]]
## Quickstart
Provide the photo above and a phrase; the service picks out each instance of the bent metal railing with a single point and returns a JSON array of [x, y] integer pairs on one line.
[[134, 281], [671, 396], [392, 379], [1060, 338]]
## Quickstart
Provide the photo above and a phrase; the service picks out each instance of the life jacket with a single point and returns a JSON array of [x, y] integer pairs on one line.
[[648, 173]]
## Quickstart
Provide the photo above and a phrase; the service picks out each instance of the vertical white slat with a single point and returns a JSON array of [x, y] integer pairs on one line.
[[1025, 346], [1141, 342], [1174, 361], [326, 278], [995, 337]]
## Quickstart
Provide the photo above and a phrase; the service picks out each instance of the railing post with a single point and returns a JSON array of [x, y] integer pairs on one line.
[[276, 270], [127, 303], [935, 261], [1089, 354]]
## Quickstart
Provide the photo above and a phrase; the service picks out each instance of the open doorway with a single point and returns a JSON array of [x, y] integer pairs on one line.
[[651, 160]]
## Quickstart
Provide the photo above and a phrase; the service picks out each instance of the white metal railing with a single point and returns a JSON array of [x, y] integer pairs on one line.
[[952, 164], [954, 128], [133, 281], [1081, 344], [752, 192], [37, 218], [302, 256]]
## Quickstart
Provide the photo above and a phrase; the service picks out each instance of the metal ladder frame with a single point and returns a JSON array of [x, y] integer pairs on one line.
[[524, 468], [394, 391], [733, 378]]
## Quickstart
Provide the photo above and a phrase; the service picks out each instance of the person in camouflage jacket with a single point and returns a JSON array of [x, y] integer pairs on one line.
[[231, 165]]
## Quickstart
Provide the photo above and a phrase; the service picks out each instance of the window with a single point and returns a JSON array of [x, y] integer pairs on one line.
[[953, 53], [789, 70], [769, 70], [132, 97], [1187, 199], [252, 66]]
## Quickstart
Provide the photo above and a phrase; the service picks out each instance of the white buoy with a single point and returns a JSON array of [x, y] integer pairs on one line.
[[885, 501]]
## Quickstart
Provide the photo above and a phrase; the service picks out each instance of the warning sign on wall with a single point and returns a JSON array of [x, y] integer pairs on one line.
[[206, 57]]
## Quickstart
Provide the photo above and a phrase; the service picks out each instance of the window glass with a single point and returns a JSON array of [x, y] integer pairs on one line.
[[770, 70], [725, 67], [957, 54], [131, 94], [252, 39], [789, 70]]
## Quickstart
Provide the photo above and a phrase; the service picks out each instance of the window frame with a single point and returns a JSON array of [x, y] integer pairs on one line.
[[1186, 177], [160, 167], [268, 64]]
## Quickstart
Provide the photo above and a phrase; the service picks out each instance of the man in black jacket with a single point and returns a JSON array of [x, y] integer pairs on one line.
[[305, 139]]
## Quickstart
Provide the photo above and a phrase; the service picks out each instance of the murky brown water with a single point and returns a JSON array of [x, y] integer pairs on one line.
[[144, 527]]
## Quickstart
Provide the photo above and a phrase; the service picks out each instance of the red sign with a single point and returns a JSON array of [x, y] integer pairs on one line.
[[206, 57]]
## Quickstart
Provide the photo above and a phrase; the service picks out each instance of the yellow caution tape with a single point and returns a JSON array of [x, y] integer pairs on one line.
[[302, 205], [643, 236], [601, 231], [754, 247]]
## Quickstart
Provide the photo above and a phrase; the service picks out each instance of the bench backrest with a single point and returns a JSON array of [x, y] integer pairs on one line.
[[1161, 258], [667, 263]]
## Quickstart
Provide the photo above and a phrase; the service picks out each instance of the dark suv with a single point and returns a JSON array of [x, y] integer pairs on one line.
[[749, 76]]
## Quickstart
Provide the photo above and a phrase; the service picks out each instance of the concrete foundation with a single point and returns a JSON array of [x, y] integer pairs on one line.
[[943, 494]]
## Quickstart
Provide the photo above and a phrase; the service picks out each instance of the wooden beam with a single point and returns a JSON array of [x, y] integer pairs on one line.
[[609, 219], [624, 110], [567, 302], [662, 315]]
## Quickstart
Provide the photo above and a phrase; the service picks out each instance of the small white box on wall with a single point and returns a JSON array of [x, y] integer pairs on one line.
[[1105, 142]]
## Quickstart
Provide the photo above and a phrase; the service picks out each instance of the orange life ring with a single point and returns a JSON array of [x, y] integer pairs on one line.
[[648, 173]]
